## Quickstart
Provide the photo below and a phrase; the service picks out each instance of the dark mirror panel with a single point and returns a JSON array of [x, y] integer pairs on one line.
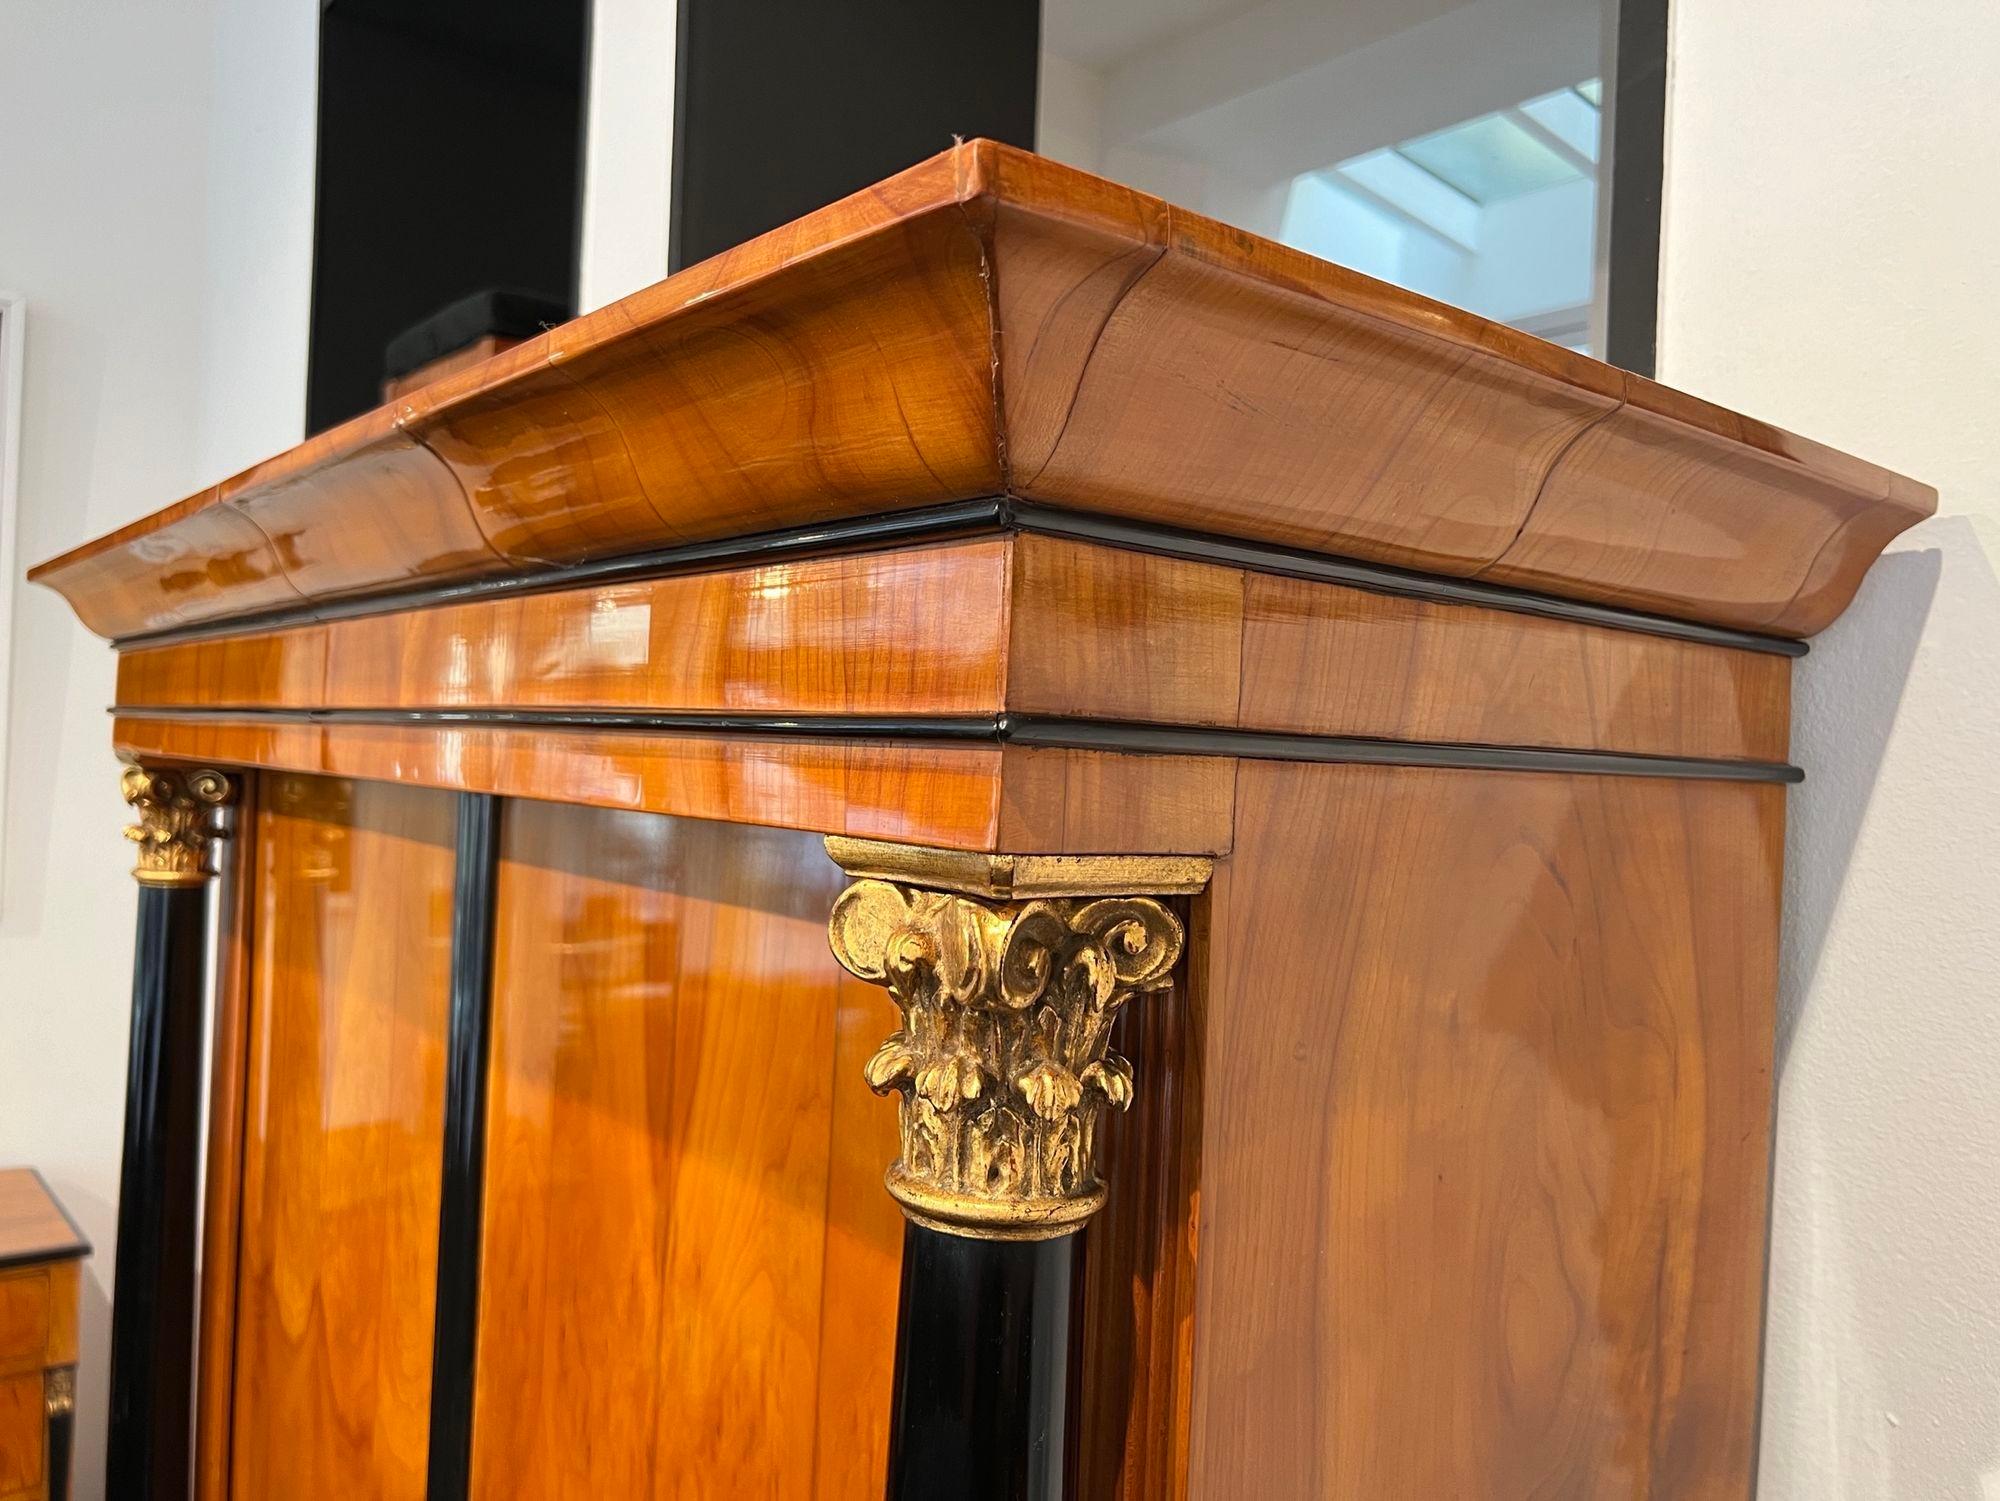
[[449, 165], [783, 106]]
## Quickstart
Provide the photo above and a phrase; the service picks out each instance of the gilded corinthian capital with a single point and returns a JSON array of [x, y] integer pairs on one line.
[[176, 817], [1003, 1064]]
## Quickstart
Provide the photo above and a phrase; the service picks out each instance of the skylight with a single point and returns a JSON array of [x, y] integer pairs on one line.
[[1490, 159], [1442, 180]]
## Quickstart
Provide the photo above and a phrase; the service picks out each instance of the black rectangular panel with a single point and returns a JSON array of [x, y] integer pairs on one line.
[[783, 106], [450, 140]]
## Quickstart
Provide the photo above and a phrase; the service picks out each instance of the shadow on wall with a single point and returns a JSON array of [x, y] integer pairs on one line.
[[1885, 1281], [1862, 663]]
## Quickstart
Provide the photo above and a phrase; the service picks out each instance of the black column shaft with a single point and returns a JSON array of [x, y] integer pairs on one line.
[[982, 1369], [152, 1315], [461, 1200]]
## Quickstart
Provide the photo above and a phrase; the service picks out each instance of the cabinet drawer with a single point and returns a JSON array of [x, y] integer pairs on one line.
[[22, 1428], [24, 1318]]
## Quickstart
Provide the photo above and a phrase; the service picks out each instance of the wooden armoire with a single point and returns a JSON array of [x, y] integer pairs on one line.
[[1279, 782]]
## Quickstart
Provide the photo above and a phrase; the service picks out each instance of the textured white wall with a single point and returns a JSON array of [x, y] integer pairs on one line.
[[1832, 213], [156, 209]]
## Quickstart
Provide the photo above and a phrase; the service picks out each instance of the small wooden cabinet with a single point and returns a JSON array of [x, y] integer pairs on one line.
[[41, 1255]]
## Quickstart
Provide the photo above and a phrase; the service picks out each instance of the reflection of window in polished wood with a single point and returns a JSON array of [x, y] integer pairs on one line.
[[1154, 365], [1032, 624], [690, 1264], [343, 1140], [973, 797], [1446, 1169]]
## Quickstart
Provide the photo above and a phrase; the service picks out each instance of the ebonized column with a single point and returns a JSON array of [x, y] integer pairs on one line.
[[1009, 972], [152, 1315], [462, 1194], [59, 1411]]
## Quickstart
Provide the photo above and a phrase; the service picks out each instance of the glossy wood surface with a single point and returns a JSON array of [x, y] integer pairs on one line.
[[1033, 624], [33, 1226], [23, 1438], [921, 631], [690, 1267], [38, 1314], [1020, 799], [1136, 1363], [222, 1179], [343, 1141], [41, 1284], [1486, 1129], [1327, 661], [989, 322]]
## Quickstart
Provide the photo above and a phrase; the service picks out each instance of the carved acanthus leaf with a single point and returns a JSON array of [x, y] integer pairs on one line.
[[1003, 1063]]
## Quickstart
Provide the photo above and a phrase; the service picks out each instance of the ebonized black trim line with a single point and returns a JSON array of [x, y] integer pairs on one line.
[[1032, 730], [461, 1203], [990, 515], [42, 1258]]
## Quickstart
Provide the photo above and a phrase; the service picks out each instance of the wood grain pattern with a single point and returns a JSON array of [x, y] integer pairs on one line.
[[1100, 633], [921, 631], [23, 1438], [1135, 1370], [1486, 1133], [222, 1178], [25, 1317], [1204, 377], [991, 322], [1032, 624], [1327, 661], [689, 1272], [343, 1141], [1025, 800], [32, 1224]]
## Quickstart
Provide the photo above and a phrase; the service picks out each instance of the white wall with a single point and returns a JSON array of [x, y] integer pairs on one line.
[[1832, 213], [628, 150], [155, 207]]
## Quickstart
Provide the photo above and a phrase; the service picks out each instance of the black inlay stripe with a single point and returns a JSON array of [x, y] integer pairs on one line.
[[461, 1203], [1036, 730], [989, 515]]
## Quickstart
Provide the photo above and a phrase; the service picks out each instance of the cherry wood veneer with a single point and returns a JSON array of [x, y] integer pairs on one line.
[[1486, 1133], [989, 322], [1031, 624], [1446, 1171], [1027, 800], [342, 1141], [689, 1275]]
